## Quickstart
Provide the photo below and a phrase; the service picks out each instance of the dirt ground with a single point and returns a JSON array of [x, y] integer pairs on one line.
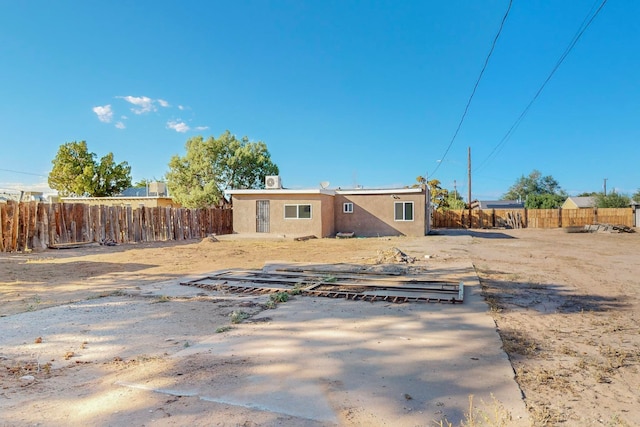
[[566, 305]]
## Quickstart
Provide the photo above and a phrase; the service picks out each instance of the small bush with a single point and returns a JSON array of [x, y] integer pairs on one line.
[[238, 316], [279, 297]]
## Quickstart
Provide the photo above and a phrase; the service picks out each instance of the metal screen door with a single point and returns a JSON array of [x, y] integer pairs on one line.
[[262, 216]]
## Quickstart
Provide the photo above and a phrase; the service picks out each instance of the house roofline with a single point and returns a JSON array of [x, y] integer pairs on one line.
[[283, 191], [380, 191], [329, 192], [71, 199]]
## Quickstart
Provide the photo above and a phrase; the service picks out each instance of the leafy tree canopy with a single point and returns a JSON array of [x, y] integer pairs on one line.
[[441, 198], [438, 195], [212, 166], [636, 196], [76, 172], [534, 184], [612, 200], [454, 201], [544, 201]]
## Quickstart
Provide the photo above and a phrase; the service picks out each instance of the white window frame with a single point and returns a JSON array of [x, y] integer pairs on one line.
[[347, 208], [404, 211], [298, 206]]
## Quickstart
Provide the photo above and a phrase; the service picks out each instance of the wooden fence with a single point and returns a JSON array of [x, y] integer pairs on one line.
[[34, 225], [533, 218]]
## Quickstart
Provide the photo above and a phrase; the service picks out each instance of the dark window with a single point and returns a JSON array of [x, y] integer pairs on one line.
[[403, 211], [297, 211]]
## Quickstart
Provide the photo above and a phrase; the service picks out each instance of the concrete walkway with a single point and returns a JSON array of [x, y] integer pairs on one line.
[[391, 364], [327, 361]]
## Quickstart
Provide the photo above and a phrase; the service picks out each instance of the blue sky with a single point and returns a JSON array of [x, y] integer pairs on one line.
[[350, 92]]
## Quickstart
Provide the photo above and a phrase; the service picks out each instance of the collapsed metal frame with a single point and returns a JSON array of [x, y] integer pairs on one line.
[[364, 286]]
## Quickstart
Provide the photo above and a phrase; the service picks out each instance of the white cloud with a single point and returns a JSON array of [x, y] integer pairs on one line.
[[143, 104], [104, 113], [178, 126]]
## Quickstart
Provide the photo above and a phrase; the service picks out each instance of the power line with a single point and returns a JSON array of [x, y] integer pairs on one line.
[[23, 173], [583, 27], [475, 87]]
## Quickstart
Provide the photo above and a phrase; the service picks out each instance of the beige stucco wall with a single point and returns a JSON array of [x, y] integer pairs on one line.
[[320, 224], [374, 215], [134, 202]]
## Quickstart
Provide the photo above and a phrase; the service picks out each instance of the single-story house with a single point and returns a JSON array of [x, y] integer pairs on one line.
[[154, 195], [497, 204], [324, 212], [133, 201], [579, 202]]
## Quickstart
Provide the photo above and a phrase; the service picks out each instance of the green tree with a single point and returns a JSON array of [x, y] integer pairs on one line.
[[75, 172], [612, 200], [110, 178], [534, 184], [455, 201], [441, 198], [212, 166], [544, 201], [636, 196], [438, 194]]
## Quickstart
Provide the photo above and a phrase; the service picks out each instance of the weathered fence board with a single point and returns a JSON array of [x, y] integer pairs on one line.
[[32, 225], [532, 218], [577, 217], [543, 218], [615, 216]]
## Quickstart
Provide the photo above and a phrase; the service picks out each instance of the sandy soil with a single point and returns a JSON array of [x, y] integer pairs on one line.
[[566, 305]]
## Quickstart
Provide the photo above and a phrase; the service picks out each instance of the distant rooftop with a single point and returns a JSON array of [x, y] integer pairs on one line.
[[583, 202], [497, 204]]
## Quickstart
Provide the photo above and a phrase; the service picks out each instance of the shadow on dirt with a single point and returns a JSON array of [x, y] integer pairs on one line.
[[102, 249], [545, 298], [482, 234]]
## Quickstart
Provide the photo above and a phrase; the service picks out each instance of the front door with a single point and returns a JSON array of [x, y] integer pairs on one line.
[[262, 216]]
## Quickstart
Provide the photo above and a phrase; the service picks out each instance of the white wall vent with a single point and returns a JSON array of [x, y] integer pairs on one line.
[[272, 182]]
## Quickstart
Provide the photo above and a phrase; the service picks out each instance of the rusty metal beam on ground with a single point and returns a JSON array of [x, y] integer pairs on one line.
[[353, 286]]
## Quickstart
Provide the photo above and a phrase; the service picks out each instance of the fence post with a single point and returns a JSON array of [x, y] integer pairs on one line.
[[559, 217]]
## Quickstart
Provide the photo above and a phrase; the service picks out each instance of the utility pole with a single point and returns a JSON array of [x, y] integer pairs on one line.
[[469, 162], [605, 187], [455, 189]]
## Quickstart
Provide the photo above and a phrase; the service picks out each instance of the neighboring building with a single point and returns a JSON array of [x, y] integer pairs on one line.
[[579, 203], [154, 195], [636, 210], [134, 202], [22, 196], [324, 212], [497, 204]]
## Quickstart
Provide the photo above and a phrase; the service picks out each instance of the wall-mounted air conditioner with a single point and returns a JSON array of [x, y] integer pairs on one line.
[[272, 182]]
